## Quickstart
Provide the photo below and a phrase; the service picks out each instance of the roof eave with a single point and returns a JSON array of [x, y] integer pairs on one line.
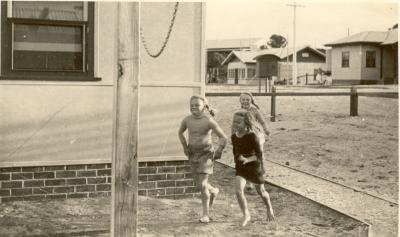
[[351, 43]]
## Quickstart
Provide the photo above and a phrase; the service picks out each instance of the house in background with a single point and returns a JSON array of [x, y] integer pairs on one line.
[[275, 63], [241, 67], [368, 57], [246, 67], [218, 50]]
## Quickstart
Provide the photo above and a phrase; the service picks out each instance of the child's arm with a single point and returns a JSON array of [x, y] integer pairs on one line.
[[182, 138], [222, 138], [260, 119], [249, 159]]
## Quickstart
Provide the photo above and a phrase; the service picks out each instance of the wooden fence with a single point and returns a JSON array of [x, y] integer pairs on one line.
[[353, 93]]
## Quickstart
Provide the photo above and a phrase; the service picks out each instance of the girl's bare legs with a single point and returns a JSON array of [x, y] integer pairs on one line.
[[240, 184], [265, 197], [205, 197], [213, 194]]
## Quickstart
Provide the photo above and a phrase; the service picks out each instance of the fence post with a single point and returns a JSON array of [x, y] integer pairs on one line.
[[353, 102], [273, 103]]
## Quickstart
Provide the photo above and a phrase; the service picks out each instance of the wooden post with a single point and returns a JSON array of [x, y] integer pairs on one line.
[[273, 103], [353, 102], [125, 130], [259, 84], [266, 84]]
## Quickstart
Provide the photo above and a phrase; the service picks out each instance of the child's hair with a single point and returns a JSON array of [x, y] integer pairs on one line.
[[249, 120], [206, 105], [251, 98]]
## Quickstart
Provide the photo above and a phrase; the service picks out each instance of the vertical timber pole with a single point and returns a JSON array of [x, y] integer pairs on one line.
[[273, 103], [353, 102], [125, 134], [259, 84]]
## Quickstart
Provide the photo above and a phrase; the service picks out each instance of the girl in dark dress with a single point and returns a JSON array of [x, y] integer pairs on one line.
[[248, 162]]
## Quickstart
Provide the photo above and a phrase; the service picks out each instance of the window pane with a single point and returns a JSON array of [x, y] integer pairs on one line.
[[46, 10], [50, 48], [370, 62], [345, 59]]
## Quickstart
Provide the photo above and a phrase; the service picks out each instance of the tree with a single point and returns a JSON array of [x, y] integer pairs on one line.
[[277, 41], [215, 59]]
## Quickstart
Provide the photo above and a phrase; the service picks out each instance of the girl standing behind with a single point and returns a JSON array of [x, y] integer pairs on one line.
[[260, 128], [200, 151], [248, 159]]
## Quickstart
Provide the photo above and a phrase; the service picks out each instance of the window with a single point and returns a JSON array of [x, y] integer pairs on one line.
[[231, 73], [345, 59], [251, 72], [370, 59], [47, 40], [242, 73], [305, 55]]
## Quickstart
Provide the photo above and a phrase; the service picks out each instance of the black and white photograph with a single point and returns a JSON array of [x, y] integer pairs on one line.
[[204, 118]]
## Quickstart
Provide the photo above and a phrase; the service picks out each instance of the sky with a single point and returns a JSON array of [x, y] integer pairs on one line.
[[317, 22]]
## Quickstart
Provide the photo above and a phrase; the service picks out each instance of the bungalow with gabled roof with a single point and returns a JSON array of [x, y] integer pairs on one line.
[[275, 62], [246, 66], [368, 57], [241, 67], [218, 50]]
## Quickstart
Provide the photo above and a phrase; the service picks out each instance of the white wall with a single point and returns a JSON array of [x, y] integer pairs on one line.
[[371, 73], [169, 80], [353, 72], [71, 122]]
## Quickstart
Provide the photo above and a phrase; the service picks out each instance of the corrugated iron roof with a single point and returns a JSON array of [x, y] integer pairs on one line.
[[391, 37], [251, 56], [231, 43], [284, 52], [362, 37]]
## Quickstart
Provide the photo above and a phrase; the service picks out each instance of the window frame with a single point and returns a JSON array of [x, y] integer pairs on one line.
[[344, 65], [251, 72], [242, 73], [374, 59], [231, 73], [7, 73]]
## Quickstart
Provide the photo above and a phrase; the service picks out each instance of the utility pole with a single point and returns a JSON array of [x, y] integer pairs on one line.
[[124, 191], [294, 69]]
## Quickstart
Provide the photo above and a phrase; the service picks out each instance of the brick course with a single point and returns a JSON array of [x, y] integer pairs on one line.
[[160, 178]]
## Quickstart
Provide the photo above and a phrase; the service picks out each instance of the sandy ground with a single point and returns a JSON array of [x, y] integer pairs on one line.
[[317, 135], [314, 134], [295, 216]]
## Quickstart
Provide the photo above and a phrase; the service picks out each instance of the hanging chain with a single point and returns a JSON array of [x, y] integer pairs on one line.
[[155, 55]]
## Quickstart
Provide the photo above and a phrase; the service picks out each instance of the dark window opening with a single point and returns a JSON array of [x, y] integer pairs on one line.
[[47, 40]]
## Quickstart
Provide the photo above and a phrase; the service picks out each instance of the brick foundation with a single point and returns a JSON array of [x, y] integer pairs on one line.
[[161, 179]]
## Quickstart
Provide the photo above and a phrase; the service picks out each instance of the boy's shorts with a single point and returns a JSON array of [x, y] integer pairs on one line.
[[202, 162]]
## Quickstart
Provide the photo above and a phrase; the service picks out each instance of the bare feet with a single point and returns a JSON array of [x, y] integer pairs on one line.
[[205, 219], [246, 219], [270, 215], [213, 195]]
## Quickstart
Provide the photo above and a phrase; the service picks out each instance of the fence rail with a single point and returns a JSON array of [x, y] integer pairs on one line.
[[273, 94]]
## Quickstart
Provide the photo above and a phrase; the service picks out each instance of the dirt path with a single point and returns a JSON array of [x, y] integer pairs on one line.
[[381, 214], [295, 216]]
